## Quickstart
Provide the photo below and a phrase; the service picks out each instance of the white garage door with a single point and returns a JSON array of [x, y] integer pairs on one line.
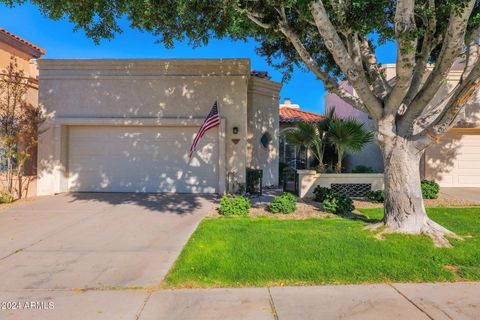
[[141, 159], [455, 160]]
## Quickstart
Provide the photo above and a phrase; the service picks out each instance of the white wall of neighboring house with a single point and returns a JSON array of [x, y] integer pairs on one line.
[[453, 162], [127, 125]]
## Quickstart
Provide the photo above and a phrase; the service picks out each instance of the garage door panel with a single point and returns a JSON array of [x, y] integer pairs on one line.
[[141, 159], [455, 161]]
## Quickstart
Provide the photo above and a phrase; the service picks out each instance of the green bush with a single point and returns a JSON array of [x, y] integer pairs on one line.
[[338, 203], [430, 189], [234, 206], [362, 169], [321, 193], [283, 203], [376, 196], [5, 198]]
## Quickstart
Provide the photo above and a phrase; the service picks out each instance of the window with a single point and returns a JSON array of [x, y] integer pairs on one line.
[[4, 161], [266, 139]]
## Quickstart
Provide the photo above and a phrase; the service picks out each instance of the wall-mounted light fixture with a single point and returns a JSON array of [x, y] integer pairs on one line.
[[235, 130]]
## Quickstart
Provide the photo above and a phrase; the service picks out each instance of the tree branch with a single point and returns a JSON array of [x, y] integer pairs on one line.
[[405, 30], [452, 46], [428, 44], [472, 52], [453, 108], [329, 82], [380, 84], [336, 47]]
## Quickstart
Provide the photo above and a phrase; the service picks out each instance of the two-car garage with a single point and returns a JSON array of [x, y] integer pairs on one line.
[[141, 159]]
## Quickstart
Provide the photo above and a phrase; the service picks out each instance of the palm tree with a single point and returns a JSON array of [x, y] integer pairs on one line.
[[311, 135], [348, 136]]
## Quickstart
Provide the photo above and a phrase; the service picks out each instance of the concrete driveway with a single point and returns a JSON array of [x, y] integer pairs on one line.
[[462, 194], [78, 241]]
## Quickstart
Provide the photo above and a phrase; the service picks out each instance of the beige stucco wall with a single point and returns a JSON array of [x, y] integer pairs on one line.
[[157, 92], [263, 100]]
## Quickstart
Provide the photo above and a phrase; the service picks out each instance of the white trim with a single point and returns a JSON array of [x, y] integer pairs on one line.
[[221, 157]]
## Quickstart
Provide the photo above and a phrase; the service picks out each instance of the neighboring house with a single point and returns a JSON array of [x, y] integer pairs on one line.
[[453, 162], [290, 115], [127, 125], [25, 54]]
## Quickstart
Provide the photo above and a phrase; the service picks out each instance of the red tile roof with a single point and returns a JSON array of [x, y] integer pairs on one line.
[[288, 115], [23, 41]]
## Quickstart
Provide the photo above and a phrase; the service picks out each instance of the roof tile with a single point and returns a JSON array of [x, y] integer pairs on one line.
[[288, 115], [17, 38]]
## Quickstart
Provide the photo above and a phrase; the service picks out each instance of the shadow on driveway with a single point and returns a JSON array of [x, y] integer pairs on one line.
[[156, 202]]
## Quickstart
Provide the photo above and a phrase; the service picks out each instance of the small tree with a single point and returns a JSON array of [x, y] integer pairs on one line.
[[313, 136], [19, 122], [348, 136]]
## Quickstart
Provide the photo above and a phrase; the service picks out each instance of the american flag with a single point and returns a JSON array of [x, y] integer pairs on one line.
[[212, 120]]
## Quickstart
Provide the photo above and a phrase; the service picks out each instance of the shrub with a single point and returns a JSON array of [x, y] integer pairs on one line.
[[362, 169], [283, 203], [321, 193], [5, 198], [235, 206], [376, 196], [338, 203], [430, 189]]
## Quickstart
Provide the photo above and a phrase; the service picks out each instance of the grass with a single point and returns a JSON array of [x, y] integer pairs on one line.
[[234, 252]]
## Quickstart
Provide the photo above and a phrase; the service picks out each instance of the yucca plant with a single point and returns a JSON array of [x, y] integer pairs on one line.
[[348, 136]]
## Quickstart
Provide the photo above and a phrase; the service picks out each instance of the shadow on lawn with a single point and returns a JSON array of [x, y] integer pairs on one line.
[[359, 216]]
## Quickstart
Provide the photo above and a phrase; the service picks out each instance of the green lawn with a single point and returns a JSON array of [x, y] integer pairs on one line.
[[228, 252]]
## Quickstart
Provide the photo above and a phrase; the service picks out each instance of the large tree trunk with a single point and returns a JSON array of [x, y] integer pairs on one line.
[[404, 207]]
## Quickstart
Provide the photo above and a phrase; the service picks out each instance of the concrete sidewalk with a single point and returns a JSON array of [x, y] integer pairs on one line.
[[379, 301]]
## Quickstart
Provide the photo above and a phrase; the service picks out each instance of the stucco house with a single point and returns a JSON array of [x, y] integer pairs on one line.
[[290, 114], [453, 162], [25, 54], [127, 125]]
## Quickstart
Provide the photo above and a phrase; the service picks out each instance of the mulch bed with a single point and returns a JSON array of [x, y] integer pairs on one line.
[[307, 208]]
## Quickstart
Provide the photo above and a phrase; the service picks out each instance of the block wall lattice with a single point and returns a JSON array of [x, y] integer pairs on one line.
[[354, 190]]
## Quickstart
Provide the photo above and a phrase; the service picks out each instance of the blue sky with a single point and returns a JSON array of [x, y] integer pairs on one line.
[[60, 41]]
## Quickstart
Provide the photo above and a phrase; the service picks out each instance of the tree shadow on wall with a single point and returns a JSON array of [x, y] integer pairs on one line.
[[455, 150]]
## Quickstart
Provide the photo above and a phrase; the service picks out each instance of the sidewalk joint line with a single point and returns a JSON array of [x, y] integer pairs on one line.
[[411, 301], [143, 306], [272, 304]]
